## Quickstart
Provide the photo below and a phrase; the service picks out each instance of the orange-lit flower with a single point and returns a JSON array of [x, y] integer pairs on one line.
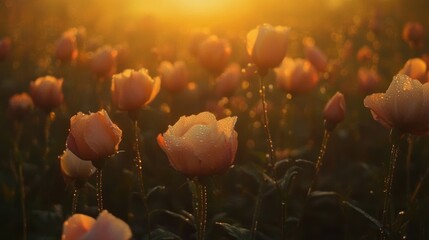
[[94, 136], [133, 89], [199, 145], [229, 81], [214, 53], [74, 168], [66, 46], [197, 37], [5, 47], [103, 62], [20, 105], [368, 79], [313, 54], [403, 107], [47, 92], [267, 45], [364, 54], [334, 111], [174, 77], [413, 33], [106, 227], [296, 76], [415, 68]]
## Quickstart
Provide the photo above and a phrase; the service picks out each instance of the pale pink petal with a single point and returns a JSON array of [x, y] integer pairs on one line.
[[76, 226], [108, 227]]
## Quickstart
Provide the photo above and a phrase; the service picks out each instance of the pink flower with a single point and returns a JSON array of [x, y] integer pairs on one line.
[[415, 68], [214, 53], [267, 45], [106, 227], [47, 92], [229, 81], [66, 46], [103, 62], [132, 90], [296, 76], [403, 107], [413, 33], [93, 136], [368, 79], [364, 54], [199, 145], [196, 38], [334, 111], [174, 77], [20, 105], [5, 48], [313, 54], [74, 168]]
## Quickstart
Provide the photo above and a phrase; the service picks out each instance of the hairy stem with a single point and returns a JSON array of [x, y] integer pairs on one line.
[[99, 186], [319, 161], [75, 200], [256, 212], [199, 203], [410, 141]]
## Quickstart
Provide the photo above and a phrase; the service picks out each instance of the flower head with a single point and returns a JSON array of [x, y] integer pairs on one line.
[[133, 89], [47, 92], [106, 227], [314, 55], [66, 46], [103, 62], [413, 33], [229, 81], [368, 79], [94, 136], [74, 168], [199, 145], [214, 53], [403, 107], [267, 45], [20, 104], [415, 68], [174, 77], [296, 76], [334, 111]]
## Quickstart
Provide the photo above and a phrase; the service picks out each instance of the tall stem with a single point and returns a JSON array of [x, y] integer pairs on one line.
[[46, 133], [388, 188], [75, 200], [99, 185], [410, 141], [139, 169], [18, 130], [271, 153], [255, 216], [199, 202], [319, 161]]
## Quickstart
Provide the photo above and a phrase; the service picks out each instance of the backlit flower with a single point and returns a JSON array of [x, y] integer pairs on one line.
[[296, 76], [5, 48], [66, 46], [199, 145], [413, 33], [267, 45], [364, 54], [214, 53], [229, 81], [93, 136], [314, 55], [403, 107], [19, 105], [106, 227], [368, 79], [174, 77], [74, 168], [103, 62], [133, 89], [47, 92], [415, 68]]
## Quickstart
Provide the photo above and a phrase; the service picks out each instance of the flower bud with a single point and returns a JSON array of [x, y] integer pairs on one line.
[[413, 33], [229, 81], [20, 105], [368, 79], [103, 62], [47, 92], [66, 46], [74, 168], [296, 76], [267, 45], [133, 89], [415, 68], [313, 54], [214, 53], [93, 137], [364, 54], [334, 111], [174, 77]]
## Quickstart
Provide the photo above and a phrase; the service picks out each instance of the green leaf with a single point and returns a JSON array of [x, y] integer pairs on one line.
[[184, 216], [239, 232], [365, 214], [154, 189], [162, 234]]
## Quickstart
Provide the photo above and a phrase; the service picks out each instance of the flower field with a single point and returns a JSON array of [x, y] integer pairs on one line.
[[214, 119]]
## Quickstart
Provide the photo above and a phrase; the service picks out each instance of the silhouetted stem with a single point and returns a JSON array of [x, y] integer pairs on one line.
[[199, 202], [256, 211], [410, 141], [46, 134], [75, 200], [271, 153], [388, 188], [319, 161], [419, 185], [99, 186], [139, 169], [18, 133]]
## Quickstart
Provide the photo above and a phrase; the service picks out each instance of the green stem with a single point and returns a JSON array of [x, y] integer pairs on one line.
[[319, 161], [388, 189], [99, 185], [410, 141], [256, 212], [46, 134], [199, 202], [139, 169], [18, 129]]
